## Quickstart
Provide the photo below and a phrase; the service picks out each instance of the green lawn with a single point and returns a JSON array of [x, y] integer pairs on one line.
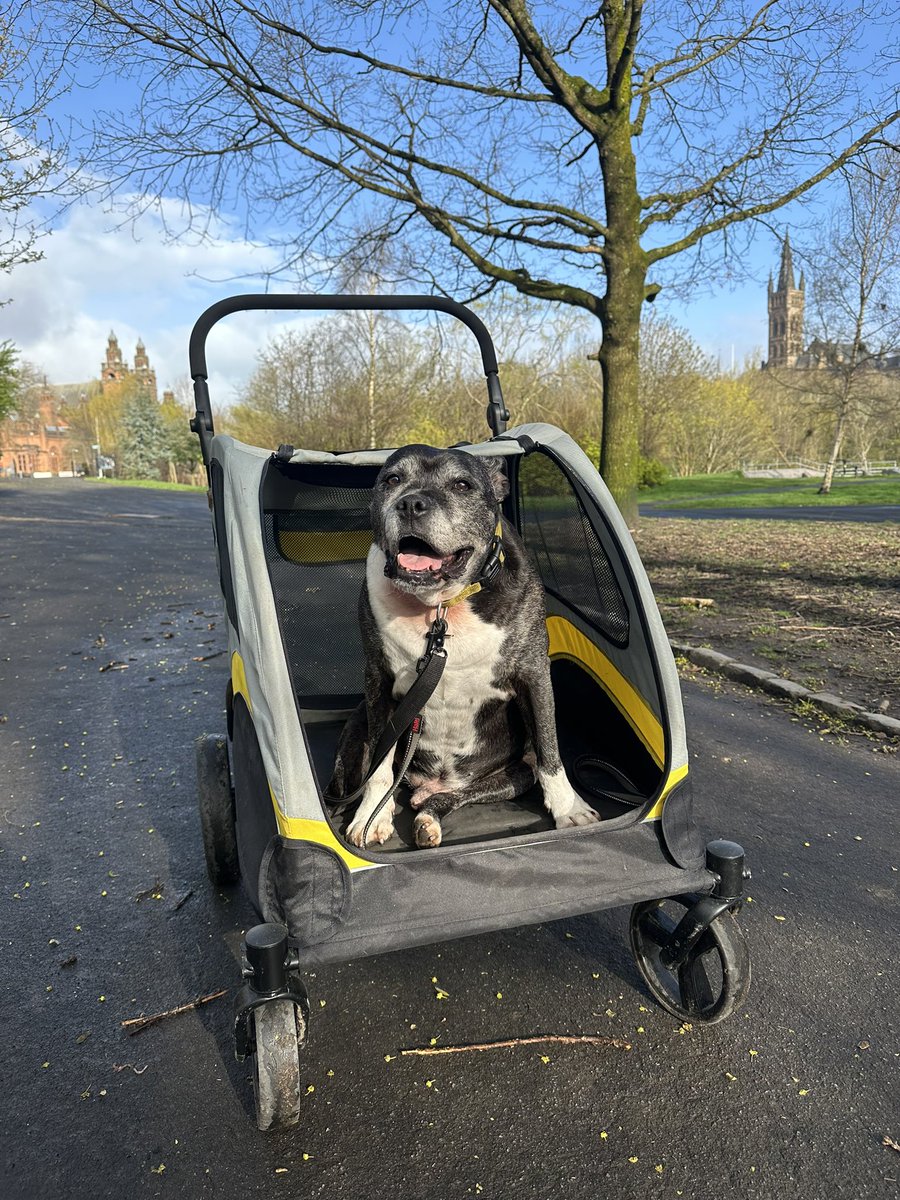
[[158, 484], [733, 491]]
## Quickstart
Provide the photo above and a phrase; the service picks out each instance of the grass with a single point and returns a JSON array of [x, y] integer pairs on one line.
[[157, 484], [733, 491]]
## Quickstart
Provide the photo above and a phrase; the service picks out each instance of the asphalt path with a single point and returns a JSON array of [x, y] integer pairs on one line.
[[867, 513], [107, 914]]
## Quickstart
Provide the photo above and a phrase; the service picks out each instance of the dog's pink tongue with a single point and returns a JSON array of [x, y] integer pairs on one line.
[[419, 562]]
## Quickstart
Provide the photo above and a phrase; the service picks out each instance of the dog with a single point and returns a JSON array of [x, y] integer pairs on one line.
[[489, 728]]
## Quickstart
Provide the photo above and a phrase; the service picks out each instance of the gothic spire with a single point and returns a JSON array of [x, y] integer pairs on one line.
[[786, 274]]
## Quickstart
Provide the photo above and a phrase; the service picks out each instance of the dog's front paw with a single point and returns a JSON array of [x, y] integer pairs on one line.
[[427, 830], [382, 827], [580, 813], [563, 803]]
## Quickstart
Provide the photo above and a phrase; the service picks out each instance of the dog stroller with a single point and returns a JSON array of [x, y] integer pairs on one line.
[[292, 531]]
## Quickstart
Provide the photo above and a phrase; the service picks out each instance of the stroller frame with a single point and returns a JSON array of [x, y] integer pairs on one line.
[[291, 534]]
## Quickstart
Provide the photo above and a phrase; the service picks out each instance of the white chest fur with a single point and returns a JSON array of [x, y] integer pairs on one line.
[[473, 652]]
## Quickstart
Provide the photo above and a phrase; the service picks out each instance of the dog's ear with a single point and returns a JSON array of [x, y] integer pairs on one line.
[[499, 481]]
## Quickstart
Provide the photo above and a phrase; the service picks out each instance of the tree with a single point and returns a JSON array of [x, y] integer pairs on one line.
[[32, 163], [9, 380], [340, 382], [181, 447], [856, 304], [672, 369], [94, 416], [143, 441], [722, 427], [568, 152]]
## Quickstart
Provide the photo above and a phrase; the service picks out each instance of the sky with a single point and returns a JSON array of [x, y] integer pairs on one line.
[[100, 273]]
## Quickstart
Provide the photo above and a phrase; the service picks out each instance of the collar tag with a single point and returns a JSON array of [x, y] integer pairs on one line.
[[463, 595]]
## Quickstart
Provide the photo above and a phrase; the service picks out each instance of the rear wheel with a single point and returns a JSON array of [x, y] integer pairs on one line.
[[276, 1064], [216, 802], [714, 979]]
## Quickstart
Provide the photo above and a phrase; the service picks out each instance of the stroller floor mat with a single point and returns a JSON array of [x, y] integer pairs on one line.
[[472, 823]]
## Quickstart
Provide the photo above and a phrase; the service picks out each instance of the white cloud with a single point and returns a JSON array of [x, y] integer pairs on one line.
[[96, 276]]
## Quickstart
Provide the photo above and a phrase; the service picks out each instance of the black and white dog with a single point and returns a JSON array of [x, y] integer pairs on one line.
[[489, 727]]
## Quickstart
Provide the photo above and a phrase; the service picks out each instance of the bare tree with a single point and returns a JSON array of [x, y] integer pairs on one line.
[[32, 158], [568, 152], [672, 370], [852, 367]]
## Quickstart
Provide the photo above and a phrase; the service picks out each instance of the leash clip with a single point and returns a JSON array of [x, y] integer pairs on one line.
[[434, 639]]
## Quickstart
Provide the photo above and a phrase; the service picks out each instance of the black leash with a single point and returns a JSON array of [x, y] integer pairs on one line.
[[408, 713], [407, 716]]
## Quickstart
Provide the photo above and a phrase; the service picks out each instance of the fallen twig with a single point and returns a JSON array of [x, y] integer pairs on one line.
[[184, 899], [156, 892], [582, 1039], [129, 1067], [826, 628], [138, 1024]]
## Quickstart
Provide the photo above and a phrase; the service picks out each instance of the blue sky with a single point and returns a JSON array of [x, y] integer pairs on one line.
[[100, 273]]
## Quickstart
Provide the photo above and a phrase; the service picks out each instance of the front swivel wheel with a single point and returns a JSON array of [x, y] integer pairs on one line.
[[714, 977], [278, 1033]]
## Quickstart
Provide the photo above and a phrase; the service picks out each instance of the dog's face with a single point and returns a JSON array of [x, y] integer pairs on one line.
[[434, 514]]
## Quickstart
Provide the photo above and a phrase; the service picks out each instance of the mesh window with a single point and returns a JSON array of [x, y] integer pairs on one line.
[[316, 552], [565, 548]]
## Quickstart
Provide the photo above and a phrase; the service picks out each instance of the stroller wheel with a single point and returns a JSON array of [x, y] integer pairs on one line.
[[276, 1064], [216, 802], [714, 979]]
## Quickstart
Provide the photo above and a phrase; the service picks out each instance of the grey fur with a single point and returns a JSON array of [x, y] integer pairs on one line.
[[419, 493]]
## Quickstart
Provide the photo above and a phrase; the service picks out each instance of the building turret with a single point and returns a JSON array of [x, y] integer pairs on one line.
[[786, 304], [112, 369], [143, 372]]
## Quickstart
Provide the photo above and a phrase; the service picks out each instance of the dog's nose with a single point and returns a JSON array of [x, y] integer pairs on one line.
[[413, 505]]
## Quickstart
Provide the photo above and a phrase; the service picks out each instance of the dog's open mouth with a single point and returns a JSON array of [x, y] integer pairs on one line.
[[417, 558]]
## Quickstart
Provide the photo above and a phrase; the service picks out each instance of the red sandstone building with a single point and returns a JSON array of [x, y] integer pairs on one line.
[[37, 442]]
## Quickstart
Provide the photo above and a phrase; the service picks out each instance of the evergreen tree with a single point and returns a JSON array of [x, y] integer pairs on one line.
[[143, 438], [9, 379]]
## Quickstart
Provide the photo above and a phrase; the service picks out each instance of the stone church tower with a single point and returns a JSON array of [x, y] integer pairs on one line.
[[786, 313], [114, 368], [143, 371]]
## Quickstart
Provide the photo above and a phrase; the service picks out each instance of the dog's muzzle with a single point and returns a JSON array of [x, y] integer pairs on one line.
[[418, 562]]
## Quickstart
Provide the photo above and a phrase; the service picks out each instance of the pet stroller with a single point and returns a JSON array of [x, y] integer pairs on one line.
[[292, 531]]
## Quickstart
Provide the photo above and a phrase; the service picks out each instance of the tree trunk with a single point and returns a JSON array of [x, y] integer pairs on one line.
[[619, 440], [620, 315], [370, 372], [835, 451]]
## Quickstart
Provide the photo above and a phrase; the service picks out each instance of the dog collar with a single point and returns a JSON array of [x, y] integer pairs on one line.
[[492, 567]]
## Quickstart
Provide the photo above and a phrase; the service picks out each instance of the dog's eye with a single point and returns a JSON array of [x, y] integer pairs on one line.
[[461, 485], [391, 481]]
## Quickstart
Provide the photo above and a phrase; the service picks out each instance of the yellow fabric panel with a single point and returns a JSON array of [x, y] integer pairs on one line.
[[568, 642], [301, 829], [675, 776], [309, 546], [239, 680]]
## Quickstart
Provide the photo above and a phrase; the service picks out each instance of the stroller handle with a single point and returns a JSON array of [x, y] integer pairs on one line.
[[202, 422]]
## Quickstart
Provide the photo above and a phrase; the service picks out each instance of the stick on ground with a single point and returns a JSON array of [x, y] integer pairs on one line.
[[138, 1024], [582, 1039]]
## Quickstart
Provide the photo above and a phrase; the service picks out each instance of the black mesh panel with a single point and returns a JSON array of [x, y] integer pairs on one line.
[[566, 551], [316, 553]]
